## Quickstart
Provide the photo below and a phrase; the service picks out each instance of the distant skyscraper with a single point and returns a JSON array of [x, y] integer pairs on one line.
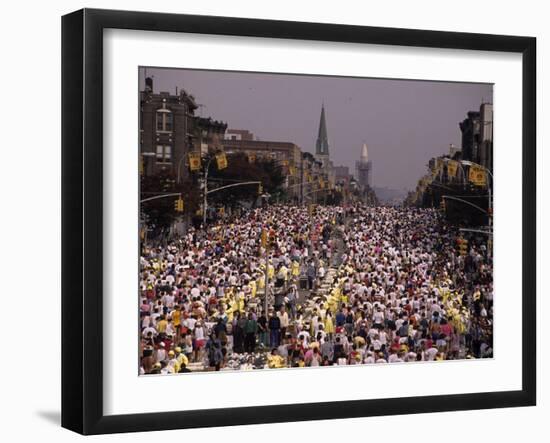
[[364, 168]]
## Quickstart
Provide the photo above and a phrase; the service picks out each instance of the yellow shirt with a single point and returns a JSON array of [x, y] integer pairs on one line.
[[182, 358], [176, 318], [295, 269], [275, 361], [253, 288], [241, 303], [161, 326], [329, 325]]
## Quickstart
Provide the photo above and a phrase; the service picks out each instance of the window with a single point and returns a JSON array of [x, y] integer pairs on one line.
[[164, 154], [165, 120]]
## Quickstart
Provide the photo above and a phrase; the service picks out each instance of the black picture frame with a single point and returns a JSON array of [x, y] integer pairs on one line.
[[82, 215]]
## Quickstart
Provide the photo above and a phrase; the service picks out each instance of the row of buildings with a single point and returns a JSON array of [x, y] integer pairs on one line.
[[460, 181], [170, 130]]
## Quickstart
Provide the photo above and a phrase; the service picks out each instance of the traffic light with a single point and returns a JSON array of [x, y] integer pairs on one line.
[[178, 205], [442, 205], [260, 189]]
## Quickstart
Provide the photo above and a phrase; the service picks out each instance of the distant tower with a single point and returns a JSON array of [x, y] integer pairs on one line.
[[321, 147], [364, 168]]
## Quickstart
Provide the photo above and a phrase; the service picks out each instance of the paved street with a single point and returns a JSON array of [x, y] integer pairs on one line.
[[387, 285]]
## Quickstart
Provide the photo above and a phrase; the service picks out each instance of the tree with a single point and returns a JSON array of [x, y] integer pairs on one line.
[[239, 169], [160, 214]]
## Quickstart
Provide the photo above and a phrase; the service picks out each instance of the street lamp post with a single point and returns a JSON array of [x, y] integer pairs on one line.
[[266, 283]]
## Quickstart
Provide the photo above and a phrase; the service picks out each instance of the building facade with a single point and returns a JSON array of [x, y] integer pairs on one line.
[[342, 175], [477, 136], [208, 135], [470, 128], [166, 127], [314, 179], [239, 134], [169, 130], [486, 136], [286, 154]]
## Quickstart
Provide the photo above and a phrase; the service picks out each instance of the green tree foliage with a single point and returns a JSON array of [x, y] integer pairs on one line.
[[160, 213], [239, 169]]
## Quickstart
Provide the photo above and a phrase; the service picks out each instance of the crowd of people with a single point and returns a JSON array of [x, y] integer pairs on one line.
[[346, 285]]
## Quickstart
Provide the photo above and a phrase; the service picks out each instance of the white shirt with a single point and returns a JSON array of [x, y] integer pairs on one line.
[[431, 353]]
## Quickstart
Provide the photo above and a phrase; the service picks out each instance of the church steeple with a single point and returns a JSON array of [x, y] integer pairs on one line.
[[321, 147]]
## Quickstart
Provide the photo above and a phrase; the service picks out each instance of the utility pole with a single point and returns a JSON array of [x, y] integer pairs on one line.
[[266, 284], [205, 193], [302, 182], [265, 243]]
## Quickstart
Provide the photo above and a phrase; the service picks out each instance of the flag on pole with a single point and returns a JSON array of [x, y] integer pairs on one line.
[[194, 160], [221, 160], [477, 175], [452, 168]]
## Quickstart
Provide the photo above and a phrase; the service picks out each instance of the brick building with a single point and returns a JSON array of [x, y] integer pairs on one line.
[[288, 155], [169, 130]]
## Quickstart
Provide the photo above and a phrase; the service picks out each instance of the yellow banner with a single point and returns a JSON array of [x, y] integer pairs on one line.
[[221, 160], [477, 175], [452, 168], [194, 161]]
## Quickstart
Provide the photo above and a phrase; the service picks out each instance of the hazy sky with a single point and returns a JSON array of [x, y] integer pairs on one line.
[[403, 122]]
